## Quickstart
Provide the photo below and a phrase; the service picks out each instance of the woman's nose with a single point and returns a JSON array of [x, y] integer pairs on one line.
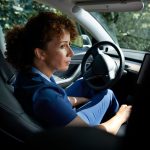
[[71, 52]]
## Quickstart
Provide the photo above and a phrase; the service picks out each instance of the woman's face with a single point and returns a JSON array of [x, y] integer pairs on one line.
[[58, 53]]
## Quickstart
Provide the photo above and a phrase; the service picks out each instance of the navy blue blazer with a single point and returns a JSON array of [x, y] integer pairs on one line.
[[43, 99]]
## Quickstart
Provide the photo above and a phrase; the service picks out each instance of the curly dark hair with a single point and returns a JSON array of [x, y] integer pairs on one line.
[[38, 31]]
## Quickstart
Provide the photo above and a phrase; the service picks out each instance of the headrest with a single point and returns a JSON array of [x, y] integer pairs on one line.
[[7, 72], [2, 42]]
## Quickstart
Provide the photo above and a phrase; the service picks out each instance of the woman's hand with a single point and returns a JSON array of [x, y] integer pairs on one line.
[[75, 101], [124, 112], [113, 124]]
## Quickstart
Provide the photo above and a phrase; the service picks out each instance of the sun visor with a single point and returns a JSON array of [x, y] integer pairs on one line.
[[111, 6]]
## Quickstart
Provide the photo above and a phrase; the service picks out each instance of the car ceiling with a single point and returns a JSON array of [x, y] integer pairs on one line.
[[100, 5]]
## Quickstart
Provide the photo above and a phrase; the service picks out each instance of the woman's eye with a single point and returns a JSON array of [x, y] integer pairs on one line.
[[62, 46], [65, 46]]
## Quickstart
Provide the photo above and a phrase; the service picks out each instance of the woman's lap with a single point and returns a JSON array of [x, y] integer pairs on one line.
[[80, 89], [100, 102]]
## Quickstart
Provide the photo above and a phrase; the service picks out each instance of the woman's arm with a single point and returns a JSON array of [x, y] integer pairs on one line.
[[112, 125]]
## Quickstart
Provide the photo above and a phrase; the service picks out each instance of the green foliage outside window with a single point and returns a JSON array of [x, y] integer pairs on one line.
[[132, 29], [17, 12]]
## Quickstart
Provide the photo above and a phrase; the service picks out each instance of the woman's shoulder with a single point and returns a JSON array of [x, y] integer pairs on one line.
[[31, 80]]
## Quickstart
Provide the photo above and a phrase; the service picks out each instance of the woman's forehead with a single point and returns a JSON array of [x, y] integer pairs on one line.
[[64, 36]]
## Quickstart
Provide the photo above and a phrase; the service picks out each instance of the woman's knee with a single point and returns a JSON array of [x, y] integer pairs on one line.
[[109, 91], [113, 98], [109, 94]]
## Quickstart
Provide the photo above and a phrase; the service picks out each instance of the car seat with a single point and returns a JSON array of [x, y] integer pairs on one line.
[[14, 121], [15, 124]]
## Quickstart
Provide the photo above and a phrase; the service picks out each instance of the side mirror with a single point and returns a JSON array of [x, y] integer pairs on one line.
[[86, 41]]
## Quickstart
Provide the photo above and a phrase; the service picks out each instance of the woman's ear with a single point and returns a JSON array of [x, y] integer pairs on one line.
[[39, 53]]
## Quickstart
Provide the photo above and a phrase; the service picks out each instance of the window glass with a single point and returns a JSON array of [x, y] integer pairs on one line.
[[21, 10], [130, 29]]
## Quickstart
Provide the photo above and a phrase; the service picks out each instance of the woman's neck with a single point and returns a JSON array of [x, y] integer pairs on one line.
[[44, 69]]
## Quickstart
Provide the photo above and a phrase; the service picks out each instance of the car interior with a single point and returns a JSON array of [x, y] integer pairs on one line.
[[22, 131], [130, 85]]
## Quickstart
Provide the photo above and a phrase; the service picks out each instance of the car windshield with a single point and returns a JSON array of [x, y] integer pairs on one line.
[[130, 30]]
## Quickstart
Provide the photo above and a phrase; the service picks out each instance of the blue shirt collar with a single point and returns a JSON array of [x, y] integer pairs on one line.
[[35, 70]]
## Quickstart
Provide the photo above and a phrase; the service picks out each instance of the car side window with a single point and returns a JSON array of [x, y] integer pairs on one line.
[[82, 42]]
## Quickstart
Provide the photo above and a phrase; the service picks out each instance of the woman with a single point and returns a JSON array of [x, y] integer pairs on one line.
[[37, 50]]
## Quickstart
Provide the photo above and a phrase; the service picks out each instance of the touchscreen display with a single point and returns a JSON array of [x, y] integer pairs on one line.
[[144, 73]]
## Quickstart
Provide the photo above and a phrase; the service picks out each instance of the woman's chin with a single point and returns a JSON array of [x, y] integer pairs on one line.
[[64, 69]]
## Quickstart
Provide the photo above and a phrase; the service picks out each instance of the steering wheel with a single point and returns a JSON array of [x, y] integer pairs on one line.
[[99, 70]]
